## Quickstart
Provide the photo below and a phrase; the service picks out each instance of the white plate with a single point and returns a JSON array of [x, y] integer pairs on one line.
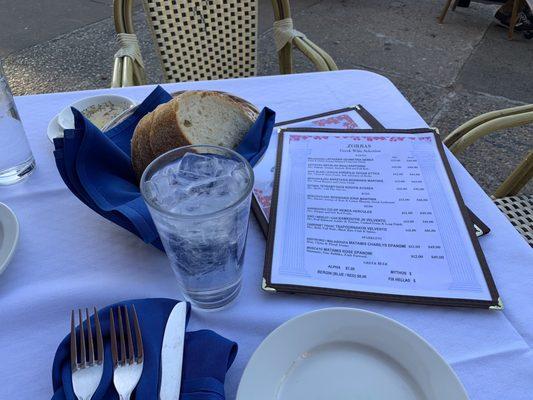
[[66, 119], [9, 235], [346, 354], [54, 130]]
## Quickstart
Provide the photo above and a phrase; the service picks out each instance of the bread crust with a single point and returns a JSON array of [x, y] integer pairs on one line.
[[166, 134], [141, 152]]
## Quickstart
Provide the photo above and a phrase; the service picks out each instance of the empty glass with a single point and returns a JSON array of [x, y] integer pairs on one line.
[[16, 159], [199, 198]]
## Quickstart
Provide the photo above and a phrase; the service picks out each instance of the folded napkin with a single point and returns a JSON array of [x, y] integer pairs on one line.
[[206, 359], [96, 166]]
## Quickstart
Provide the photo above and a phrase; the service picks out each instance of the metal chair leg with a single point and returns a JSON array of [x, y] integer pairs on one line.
[[455, 3], [514, 17], [444, 11], [519, 178]]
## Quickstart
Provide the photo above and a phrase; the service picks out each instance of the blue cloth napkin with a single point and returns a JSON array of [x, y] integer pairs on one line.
[[206, 359], [97, 168]]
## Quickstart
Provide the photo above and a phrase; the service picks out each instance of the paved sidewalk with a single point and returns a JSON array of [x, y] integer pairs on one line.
[[450, 72]]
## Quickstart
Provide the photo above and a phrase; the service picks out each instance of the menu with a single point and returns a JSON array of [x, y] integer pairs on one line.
[[372, 214], [356, 117]]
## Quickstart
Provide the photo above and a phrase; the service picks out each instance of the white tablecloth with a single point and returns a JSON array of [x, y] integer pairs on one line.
[[70, 257]]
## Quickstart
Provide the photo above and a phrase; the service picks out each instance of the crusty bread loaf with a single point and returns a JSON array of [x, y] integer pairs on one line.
[[141, 152], [193, 117]]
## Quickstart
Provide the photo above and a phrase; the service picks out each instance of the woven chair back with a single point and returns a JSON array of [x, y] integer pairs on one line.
[[204, 39]]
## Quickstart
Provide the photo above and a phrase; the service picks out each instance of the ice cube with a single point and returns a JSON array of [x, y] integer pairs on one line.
[[162, 191], [226, 166], [202, 185], [240, 176], [199, 184], [193, 164]]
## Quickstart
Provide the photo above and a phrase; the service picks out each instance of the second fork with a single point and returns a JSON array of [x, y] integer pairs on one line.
[[127, 363]]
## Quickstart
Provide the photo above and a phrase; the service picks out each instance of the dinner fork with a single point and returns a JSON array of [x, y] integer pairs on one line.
[[86, 368], [127, 365]]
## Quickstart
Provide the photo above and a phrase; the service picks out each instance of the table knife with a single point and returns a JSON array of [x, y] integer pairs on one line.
[[172, 353]]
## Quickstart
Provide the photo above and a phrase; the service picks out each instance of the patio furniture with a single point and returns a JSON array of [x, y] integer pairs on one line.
[[445, 10], [518, 208], [208, 39], [68, 253], [514, 16]]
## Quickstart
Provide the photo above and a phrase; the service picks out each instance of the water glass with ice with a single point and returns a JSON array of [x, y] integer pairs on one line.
[[16, 159], [199, 198]]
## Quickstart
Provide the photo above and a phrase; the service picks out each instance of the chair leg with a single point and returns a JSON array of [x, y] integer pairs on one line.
[[444, 11], [454, 6], [128, 16], [514, 17], [118, 14], [519, 178]]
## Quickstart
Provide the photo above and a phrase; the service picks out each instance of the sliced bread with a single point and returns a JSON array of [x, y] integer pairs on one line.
[[193, 117], [141, 152], [200, 117]]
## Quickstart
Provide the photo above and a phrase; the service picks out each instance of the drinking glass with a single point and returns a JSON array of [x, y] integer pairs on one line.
[[16, 159], [199, 198]]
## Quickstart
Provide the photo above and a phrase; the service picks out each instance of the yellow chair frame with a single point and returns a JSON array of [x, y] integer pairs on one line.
[[485, 124]]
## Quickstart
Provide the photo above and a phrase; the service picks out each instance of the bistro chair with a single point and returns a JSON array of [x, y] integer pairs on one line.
[[517, 5], [517, 208], [207, 39]]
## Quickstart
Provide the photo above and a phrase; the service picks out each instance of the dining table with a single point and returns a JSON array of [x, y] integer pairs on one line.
[[69, 257]]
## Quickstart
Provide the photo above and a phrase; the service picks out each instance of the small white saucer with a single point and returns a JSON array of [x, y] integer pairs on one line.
[[9, 235], [54, 130]]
